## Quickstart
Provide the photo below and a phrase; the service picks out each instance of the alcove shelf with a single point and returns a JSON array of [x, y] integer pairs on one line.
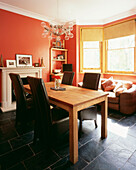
[[58, 57], [57, 60]]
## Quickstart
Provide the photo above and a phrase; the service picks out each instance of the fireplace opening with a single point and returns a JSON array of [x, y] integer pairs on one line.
[[13, 94], [24, 79]]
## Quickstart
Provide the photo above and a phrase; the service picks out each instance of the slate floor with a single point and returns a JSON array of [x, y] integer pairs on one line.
[[117, 151]]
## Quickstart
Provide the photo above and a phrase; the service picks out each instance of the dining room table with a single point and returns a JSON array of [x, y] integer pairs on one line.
[[74, 99]]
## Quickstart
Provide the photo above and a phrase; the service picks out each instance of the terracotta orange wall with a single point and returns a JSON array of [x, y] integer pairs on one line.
[[22, 35], [72, 57]]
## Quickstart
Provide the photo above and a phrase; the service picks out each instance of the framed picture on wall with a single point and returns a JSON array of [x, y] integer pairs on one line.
[[11, 63], [23, 60]]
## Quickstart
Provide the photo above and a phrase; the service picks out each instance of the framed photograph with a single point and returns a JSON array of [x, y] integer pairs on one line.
[[11, 63], [58, 44], [23, 60]]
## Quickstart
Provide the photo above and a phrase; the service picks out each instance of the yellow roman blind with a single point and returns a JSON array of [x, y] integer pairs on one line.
[[92, 34], [119, 30]]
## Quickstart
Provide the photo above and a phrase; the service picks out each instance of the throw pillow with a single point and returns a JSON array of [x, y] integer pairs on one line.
[[106, 83], [109, 88], [118, 85], [127, 85], [120, 90]]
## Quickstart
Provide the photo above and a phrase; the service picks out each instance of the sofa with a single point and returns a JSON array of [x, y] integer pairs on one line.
[[122, 94]]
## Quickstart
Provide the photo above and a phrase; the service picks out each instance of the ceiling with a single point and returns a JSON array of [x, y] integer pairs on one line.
[[83, 12]]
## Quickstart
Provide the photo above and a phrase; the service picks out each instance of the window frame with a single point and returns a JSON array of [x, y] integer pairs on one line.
[[106, 59], [103, 51], [82, 69]]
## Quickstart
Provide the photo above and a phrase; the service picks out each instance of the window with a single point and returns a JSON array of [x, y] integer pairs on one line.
[[120, 54], [91, 55]]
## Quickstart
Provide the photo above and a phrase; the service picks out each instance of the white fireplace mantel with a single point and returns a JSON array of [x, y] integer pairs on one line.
[[7, 104]]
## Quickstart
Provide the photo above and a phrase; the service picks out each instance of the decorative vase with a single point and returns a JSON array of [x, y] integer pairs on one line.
[[57, 83], [42, 64], [1, 61], [63, 44]]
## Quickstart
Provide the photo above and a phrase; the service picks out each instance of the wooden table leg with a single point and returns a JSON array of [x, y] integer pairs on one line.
[[104, 110], [73, 135]]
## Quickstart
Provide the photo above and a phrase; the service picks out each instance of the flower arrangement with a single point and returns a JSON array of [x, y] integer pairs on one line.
[[56, 77]]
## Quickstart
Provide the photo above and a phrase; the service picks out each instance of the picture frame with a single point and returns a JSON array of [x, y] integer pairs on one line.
[[23, 60], [58, 44], [11, 63]]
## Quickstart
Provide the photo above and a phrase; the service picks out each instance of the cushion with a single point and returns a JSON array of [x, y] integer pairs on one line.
[[109, 88], [112, 98], [127, 85], [120, 90], [111, 94], [118, 85], [108, 84]]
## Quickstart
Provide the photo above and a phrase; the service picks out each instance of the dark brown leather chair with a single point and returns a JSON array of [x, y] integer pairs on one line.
[[90, 81], [24, 105], [49, 123], [68, 77]]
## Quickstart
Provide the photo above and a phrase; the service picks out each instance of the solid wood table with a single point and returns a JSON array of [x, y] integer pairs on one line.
[[73, 100]]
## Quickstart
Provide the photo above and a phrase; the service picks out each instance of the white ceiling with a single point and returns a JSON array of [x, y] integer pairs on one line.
[[83, 12]]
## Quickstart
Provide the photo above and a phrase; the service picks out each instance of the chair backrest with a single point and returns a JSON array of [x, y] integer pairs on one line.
[[19, 91], [42, 106], [91, 80], [68, 77]]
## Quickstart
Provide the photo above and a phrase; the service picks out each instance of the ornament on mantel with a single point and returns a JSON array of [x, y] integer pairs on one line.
[[42, 64], [63, 44], [1, 61]]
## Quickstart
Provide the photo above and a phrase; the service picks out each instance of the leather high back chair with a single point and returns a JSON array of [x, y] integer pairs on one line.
[[68, 77], [47, 122], [90, 81], [24, 105]]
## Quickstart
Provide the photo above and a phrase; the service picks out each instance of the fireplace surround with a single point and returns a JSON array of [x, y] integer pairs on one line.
[[7, 104]]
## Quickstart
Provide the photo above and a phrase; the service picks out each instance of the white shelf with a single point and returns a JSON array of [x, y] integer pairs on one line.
[[59, 49], [58, 60]]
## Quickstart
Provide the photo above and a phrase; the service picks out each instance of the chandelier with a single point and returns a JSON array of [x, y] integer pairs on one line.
[[55, 31]]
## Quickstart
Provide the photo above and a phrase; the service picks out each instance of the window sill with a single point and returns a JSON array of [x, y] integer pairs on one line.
[[121, 74], [118, 74], [90, 71]]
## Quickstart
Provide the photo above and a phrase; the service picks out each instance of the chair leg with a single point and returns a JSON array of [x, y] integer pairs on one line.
[[95, 122], [35, 133], [16, 123], [80, 128], [35, 139], [80, 125]]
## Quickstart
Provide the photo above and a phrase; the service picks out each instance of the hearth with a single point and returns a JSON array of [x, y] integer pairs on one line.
[[8, 101]]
